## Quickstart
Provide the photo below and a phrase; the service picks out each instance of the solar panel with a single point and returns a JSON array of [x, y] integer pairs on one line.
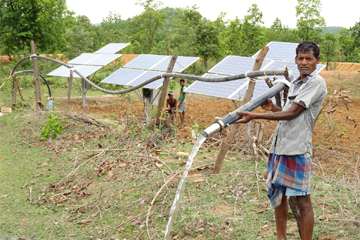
[[133, 77], [112, 48], [280, 51], [83, 69], [123, 76], [94, 59], [146, 76], [229, 90], [146, 61], [232, 65], [181, 64]]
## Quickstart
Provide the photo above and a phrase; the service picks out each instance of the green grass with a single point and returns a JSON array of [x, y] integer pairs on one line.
[[71, 179]]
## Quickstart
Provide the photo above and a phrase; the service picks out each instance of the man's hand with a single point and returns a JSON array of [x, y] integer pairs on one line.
[[179, 105], [268, 105], [245, 117]]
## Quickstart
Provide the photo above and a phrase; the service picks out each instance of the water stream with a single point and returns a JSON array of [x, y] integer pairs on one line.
[[179, 192]]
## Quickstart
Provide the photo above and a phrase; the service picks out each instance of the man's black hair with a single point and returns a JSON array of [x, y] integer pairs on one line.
[[307, 46], [182, 80]]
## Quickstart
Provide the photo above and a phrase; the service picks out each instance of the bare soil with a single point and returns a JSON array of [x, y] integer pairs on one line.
[[336, 133]]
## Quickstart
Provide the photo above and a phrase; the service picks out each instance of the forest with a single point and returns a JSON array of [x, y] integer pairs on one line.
[[163, 30]]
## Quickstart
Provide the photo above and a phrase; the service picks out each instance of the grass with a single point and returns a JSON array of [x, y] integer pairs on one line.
[[71, 188]]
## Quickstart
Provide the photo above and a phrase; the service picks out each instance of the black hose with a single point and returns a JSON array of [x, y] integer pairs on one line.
[[31, 71]]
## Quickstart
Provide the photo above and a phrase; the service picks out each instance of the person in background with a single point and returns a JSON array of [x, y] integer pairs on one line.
[[182, 101], [171, 103], [289, 162]]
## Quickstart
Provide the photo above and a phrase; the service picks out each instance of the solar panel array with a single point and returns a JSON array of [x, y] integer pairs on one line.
[[83, 69], [147, 66], [112, 48], [88, 63], [94, 59], [279, 55], [133, 77], [280, 51], [160, 62]]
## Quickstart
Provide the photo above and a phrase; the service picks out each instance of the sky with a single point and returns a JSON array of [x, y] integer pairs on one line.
[[343, 13]]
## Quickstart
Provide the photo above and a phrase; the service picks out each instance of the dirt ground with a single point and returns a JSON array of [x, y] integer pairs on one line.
[[336, 133]]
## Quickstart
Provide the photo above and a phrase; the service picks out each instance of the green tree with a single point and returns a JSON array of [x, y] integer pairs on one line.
[[185, 30], [114, 30], [253, 35], [281, 33], [231, 37], [309, 22], [149, 21], [24, 20], [207, 41], [328, 48]]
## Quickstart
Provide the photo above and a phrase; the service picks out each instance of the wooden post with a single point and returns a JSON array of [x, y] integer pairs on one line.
[[169, 40], [233, 128], [164, 89], [36, 81], [69, 89], [15, 89]]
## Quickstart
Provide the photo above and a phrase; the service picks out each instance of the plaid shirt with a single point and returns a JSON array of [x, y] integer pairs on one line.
[[287, 171], [293, 137]]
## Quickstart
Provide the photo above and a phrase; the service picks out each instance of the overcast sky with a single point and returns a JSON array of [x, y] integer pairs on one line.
[[343, 13]]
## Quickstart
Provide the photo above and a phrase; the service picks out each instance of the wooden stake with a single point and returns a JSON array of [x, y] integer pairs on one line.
[[69, 90], [233, 128], [164, 89], [15, 89], [39, 105]]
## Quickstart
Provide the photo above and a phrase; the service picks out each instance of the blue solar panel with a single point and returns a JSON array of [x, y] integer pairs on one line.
[[227, 90], [112, 48], [123, 76], [146, 76], [65, 72], [180, 64], [146, 61], [280, 51], [232, 65], [94, 59]]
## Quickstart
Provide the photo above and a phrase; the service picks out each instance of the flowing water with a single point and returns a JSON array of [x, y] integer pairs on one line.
[[179, 192]]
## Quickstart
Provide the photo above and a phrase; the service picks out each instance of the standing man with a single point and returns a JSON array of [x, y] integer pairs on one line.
[[289, 163], [182, 101]]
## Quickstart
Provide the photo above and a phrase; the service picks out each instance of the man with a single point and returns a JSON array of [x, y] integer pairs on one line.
[[182, 101], [289, 165]]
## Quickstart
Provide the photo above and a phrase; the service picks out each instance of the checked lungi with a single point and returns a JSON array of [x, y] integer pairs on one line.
[[287, 172]]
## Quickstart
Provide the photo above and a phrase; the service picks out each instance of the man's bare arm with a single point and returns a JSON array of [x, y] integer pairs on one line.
[[289, 114]]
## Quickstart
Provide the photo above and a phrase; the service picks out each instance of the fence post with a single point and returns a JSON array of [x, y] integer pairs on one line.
[[234, 127], [36, 81], [164, 88]]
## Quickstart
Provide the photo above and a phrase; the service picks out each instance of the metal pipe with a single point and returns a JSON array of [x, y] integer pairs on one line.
[[175, 75], [233, 116]]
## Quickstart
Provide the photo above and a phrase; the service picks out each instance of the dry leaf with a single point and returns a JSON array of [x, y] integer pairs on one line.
[[45, 164], [220, 191], [265, 226], [84, 221], [24, 186]]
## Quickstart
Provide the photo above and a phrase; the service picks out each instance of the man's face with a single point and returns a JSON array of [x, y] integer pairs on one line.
[[182, 83], [306, 63]]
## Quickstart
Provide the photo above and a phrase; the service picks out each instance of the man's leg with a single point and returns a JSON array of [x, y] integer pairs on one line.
[[281, 213], [307, 216]]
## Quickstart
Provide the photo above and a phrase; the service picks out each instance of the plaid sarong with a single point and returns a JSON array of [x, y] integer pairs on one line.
[[287, 171]]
